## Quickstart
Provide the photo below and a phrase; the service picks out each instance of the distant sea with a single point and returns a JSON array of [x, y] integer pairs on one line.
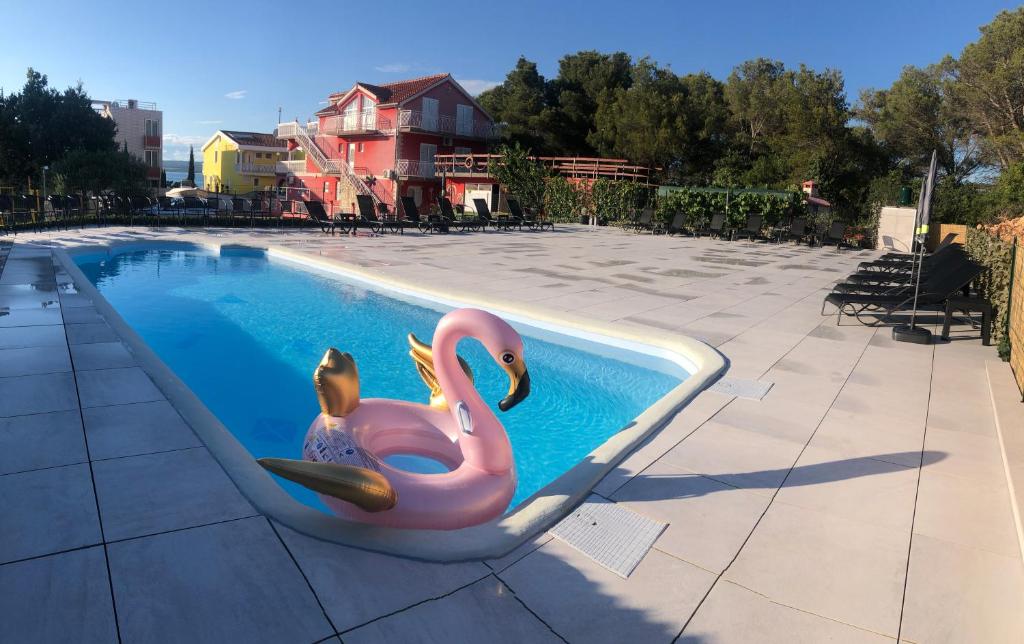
[[173, 176]]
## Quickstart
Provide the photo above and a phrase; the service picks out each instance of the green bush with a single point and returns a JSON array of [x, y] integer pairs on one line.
[[564, 200], [617, 200], [698, 205], [996, 255]]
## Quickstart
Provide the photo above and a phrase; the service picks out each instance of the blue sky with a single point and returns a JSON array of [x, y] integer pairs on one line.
[[228, 65]]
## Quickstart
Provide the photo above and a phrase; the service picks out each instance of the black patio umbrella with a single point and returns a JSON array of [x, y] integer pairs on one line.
[[911, 332]]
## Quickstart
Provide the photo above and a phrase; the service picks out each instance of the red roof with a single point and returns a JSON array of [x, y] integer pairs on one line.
[[399, 90]]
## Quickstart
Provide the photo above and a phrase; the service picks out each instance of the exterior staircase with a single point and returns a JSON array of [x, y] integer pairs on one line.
[[326, 165]]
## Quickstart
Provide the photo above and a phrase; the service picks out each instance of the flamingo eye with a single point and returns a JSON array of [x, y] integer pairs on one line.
[[508, 358]]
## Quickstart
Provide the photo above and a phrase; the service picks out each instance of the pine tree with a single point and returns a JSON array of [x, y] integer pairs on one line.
[[191, 166]]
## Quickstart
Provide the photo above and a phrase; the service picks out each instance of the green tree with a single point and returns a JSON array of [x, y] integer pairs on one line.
[[585, 81], [989, 88], [521, 103], [916, 115], [191, 166], [520, 175], [39, 125]]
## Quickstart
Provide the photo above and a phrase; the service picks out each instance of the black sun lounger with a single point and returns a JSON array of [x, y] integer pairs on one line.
[[430, 223], [715, 228], [319, 216], [752, 229], [483, 211], [933, 294]]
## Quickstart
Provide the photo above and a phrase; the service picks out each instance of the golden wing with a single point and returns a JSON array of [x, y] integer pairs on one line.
[[336, 380], [423, 357]]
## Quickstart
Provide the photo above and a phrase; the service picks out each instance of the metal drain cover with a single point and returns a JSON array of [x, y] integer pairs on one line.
[[752, 389], [610, 534]]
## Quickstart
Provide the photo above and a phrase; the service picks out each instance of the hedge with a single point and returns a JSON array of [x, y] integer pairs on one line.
[[996, 255]]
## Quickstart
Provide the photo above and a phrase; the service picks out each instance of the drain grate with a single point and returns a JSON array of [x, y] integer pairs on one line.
[[610, 534], [751, 389]]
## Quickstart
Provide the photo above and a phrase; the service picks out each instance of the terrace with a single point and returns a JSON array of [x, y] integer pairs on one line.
[[863, 498]]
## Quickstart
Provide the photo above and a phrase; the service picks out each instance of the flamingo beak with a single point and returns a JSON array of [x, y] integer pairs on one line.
[[518, 385]]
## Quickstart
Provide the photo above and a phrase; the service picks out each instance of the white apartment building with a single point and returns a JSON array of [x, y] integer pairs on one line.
[[140, 128]]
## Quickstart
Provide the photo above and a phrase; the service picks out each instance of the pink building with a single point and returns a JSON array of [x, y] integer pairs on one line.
[[381, 140]]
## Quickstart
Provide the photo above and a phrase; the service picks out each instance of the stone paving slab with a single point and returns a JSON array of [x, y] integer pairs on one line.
[[790, 518]]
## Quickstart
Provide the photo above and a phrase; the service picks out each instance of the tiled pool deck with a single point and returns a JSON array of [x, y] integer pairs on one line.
[[863, 499]]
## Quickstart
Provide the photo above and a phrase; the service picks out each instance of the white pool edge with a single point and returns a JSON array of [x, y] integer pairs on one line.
[[486, 541]]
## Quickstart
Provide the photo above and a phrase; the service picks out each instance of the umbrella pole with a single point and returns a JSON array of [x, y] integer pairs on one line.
[[911, 332]]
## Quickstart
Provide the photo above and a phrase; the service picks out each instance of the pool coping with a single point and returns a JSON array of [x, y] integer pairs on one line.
[[485, 541]]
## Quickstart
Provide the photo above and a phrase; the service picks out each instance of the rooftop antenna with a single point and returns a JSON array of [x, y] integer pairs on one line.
[[911, 332]]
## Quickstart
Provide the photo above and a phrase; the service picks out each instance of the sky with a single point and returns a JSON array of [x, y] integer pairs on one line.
[[226, 65]]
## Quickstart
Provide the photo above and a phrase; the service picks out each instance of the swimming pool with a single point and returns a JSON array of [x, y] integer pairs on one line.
[[244, 332]]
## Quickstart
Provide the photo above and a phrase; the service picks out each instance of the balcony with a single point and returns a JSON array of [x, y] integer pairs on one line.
[[255, 168], [290, 167], [151, 141], [352, 123], [412, 168], [415, 121]]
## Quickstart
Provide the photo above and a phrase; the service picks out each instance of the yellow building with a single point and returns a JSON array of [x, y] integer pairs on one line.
[[240, 162]]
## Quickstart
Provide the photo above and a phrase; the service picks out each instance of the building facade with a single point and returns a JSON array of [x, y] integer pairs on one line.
[[381, 140], [140, 127], [239, 162]]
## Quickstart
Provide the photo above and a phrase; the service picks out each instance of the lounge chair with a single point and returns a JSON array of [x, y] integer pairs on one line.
[[531, 221], [877, 282], [678, 225], [933, 294], [368, 216], [483, 211], [430, 223], [752, 229], [647, 222], [319, 216], [836, 234], [797, 230], [454, 221], [714, 228]]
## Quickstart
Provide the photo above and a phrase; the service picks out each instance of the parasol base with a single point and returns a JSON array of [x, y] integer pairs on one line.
[[914, 334]]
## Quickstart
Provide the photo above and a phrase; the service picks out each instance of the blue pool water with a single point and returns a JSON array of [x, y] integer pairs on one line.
[[245, 332]]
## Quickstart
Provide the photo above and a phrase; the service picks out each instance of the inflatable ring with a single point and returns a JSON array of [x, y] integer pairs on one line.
[[346, 448], [469, 161]]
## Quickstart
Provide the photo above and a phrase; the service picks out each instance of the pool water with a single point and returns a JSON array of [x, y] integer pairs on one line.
[[245, 332]]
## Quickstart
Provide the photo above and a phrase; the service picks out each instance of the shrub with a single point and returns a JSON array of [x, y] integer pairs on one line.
[[564, 200], [521, 175], [616, 200], [995, 254]]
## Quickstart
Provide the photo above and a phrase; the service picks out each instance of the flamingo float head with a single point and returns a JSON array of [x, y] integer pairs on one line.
[[502, 342]]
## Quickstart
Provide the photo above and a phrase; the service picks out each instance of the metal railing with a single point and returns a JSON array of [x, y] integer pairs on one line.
[[255, 168], [305, 138], [364, 121], [416, 120], [290, 167], [570, 167], [415, 168]]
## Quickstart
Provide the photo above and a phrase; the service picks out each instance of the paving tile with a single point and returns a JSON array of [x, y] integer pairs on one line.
[[140, 428], [34, 360], [584, 602], [89, 333], [39, 394], [708, 520], [971, 456], [41, 440], [82, 315], [386, 584], [732, 613], [484, 612], [33, 336], [960, 594], [966, 512], [844, 570], [116, 387], [517, 553], [48, 598], [29, 317], [860, 488], [736, 457], [101, 355], [47, 511], [230, 582], [154, 493]]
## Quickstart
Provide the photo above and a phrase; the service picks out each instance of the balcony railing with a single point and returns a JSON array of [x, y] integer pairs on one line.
[[255, 168], [570, 167], [367, 121], [151, 141], [447, 125], [413, 168], [290, 167]]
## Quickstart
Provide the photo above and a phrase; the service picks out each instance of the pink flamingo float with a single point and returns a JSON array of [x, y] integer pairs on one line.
[[347, 443]]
